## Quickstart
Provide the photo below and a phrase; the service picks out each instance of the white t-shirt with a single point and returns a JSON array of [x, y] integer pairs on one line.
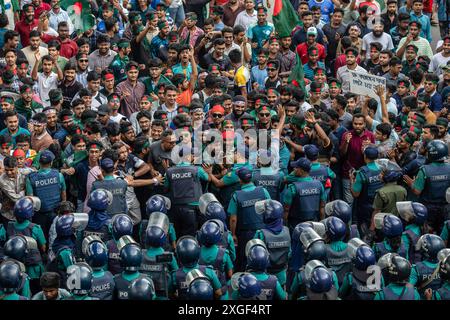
[[437, 63], [385, 40], [46, 84]]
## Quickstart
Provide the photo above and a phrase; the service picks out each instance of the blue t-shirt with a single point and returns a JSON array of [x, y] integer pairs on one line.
[[326, 7], [259, 76]]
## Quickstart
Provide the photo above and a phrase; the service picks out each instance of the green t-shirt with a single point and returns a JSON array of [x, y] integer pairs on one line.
[[397, 289]]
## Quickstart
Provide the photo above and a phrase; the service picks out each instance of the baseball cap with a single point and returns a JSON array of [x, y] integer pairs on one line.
[[107, 164], [371, 152], [302, 163], [46, 157], [311, 30], [244, 174]]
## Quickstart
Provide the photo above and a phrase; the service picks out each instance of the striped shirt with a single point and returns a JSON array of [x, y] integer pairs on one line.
[[422, 44]]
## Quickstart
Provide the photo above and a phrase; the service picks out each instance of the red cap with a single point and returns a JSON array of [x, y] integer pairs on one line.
[[218, 108]]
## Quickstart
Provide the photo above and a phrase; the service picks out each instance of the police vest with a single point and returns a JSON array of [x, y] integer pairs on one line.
[[167, 246], [181, 283], [271, 182], [360, 291], [247, 218], [56, 265], [339, 262], [372, 182], [414, 255], [278, 246], [33, 256], [217, 264], [320, 174], [113, 257], [444, 292], [331, 294], [118, 188], [306, 204], [185, 185], [46, 186], [436, 183], [156, 272], [408, 294], [424, 273], [381, 250], [122, 286], [103, 233], [103, 287], [268, 288]]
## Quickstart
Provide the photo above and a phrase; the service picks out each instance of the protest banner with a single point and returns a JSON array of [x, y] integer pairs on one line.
[[365, 84]]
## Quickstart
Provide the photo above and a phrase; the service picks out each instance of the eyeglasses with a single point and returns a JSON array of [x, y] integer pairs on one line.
[[83, 60], [264, 115], [270, 69], [217, 115]]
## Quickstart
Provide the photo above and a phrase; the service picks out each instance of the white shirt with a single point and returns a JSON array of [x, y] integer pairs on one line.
[[385, 40], [343, 76], [437, 63], [117, 118], [45, 85], [246, 20], [29, 54], [55, 18]]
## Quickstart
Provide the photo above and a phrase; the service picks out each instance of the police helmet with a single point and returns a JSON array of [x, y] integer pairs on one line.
[[80, 278], [392, 176], [100, 199], [155, 237], [339, 209], [142, 289], [24, 209], [321, 280], [64, 225], [209, 234], [16, 248], [335, 228], [215, 210], [398, 269], [437, 150], [10, 276], [131, 257], [392, 226], [444, 268], [317, 251], [257, 257], [364, 258], [200, 289], [121, 225], [271, 210], [188, 251], [430, 245], [96, 254], [156, 203], [248, 286]]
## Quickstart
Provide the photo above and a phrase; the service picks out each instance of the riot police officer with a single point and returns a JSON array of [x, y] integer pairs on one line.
[[266, 176], [443, 293], [188, 253], [319, 282], [130, 261], [10, 278], [155, 241], [392, 229], [142, 289], [355, 285], [432, 182], [304, 199], [64, 246], [257, 263], [79, 281], [341, 209], [49, 186], [319, 171], [244, 221], [414, 216], [23, 211], [96, 255], [121, 225], [337, 257], [183, 183], [199, 287], [16, 250], [398, 271], [446, 229], [213, 255], [367, 181], [245, 286], [425, 273], [211, 209], [99, 219], [275, 236]]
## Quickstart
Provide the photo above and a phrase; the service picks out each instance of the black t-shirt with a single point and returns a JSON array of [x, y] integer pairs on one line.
[[208, 59]]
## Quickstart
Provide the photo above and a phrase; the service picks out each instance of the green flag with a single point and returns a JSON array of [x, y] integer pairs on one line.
[[284, 17], [297, 77], [80, 14]]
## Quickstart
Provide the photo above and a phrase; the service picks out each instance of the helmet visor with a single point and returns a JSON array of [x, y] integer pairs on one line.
[[160, 220], [405, 210], [204, 200]]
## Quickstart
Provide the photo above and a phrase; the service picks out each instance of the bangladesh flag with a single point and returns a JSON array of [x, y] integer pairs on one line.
[[297, 77], [80, 14], [284, 17]]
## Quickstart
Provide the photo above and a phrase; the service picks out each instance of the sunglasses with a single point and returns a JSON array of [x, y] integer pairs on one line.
[[217, 115], [264, 115], [270, 69], [83, 60]]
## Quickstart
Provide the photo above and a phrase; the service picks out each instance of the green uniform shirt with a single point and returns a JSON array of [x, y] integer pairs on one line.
[[397, 289], [361, 179], [414, 228], [292, 191], [316, 166], [279, 293], [437, 295], [29, 187], [231, 177], [387, 196], [11, 297], [419, 182], [444, 233], [232, 207]]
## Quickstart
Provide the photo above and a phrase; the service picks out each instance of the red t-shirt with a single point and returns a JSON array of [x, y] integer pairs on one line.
[[428, 6], [354, 157], [69, 48], [43, 7], [24, 30], [302, 51]]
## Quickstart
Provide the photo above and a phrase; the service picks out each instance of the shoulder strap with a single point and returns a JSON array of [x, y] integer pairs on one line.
[[430, 279]]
